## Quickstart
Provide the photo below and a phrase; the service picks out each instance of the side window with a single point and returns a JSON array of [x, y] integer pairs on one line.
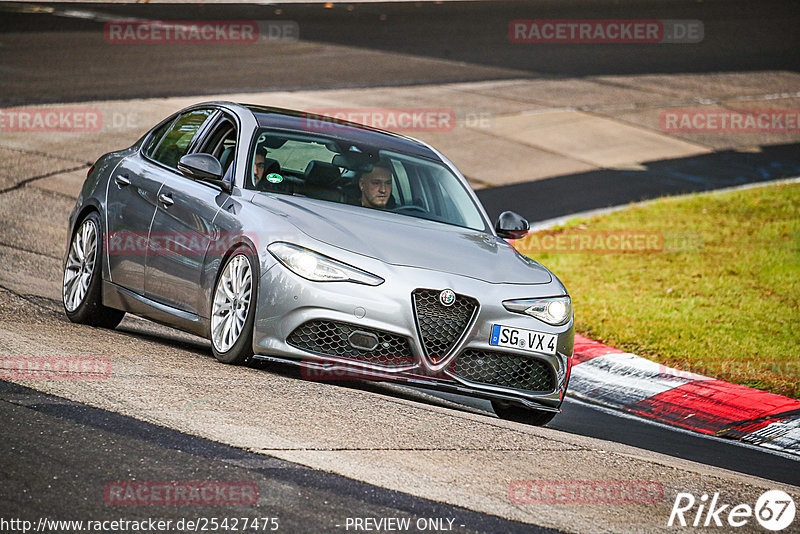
[[221, 143], [403, 190], [155, 139], [448, 208], [419, 196], [175, 143], [294, 155], [226, 150]]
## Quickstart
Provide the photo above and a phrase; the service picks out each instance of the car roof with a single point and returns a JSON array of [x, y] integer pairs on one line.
[[311, 123]]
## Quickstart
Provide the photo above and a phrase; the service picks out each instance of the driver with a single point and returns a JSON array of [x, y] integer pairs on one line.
[[376, 186]]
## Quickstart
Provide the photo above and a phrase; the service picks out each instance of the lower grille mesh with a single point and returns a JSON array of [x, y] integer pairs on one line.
[[503, 369], [330, 338]]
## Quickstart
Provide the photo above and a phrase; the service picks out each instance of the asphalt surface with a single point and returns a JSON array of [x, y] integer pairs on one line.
[[86, 448], [57, 53], [64, 57], [564, 195], [584, 419], [388, 436]]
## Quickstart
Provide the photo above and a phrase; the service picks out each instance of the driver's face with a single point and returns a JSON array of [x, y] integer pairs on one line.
[[376, 188], [258, 167]]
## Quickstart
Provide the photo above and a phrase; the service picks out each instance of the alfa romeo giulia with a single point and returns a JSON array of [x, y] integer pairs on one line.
[[340, 248]]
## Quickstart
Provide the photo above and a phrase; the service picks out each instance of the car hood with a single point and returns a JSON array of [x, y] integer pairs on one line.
[[408, 241]]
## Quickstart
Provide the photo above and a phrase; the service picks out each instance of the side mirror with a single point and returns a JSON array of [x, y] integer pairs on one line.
[[511, 225], [203, 167]]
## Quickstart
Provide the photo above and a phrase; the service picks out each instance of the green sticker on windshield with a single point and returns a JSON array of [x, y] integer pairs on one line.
[[274, 178]]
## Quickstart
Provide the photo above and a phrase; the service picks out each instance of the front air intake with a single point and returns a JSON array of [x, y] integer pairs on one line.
[[441, 326]]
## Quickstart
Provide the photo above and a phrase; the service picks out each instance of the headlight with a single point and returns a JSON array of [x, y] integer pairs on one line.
[[319, 268], [554, 310]]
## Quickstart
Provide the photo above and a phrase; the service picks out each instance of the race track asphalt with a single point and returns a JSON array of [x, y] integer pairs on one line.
[[57, 454]]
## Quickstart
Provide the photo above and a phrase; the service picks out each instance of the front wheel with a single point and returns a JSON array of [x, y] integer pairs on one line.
[[81, 291], [233, 310], [512, 412]]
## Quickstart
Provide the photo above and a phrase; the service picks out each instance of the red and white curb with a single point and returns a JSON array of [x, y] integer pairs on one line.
[[622, 381]]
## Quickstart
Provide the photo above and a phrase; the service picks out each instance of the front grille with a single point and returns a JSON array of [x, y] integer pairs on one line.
[[503, 369], [330, 338], [440, 327]]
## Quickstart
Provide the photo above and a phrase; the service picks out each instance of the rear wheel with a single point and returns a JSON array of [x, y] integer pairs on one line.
[[81, 291], [513, 412], [233, 310]]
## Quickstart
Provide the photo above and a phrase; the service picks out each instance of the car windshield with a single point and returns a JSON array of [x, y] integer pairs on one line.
[[336, 170]]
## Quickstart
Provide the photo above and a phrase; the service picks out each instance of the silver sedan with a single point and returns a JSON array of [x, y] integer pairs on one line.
[[346, 250]]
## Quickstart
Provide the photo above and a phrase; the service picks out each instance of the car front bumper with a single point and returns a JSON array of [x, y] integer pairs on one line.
[[307, 323]]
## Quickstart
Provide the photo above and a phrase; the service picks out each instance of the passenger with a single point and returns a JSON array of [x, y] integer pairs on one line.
[[259, 167], [376, 187], [266, 177]]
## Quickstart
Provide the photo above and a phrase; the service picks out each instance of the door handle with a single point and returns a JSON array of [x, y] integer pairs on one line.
[[122, 180], [166, 199]]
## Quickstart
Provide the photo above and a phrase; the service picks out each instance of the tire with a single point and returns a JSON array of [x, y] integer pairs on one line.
[[81, 288], [233, 309], [513, 412]]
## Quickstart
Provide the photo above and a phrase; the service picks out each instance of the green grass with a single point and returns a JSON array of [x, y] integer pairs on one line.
[[722, 298]]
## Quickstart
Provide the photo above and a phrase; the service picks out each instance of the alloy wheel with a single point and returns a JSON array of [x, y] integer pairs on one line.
[[231, 303], [80, 264]]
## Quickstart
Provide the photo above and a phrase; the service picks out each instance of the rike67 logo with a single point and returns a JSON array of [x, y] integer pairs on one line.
[[774, 510]]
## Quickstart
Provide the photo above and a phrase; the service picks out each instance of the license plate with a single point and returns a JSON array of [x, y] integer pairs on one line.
[[521, 339]]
